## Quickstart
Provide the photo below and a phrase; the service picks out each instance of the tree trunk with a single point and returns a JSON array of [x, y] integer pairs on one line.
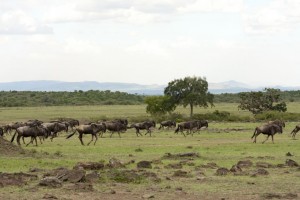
[[192, 110]]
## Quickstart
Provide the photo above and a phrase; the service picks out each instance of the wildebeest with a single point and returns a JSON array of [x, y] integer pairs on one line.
[[55, 127], [122, 121], [115, 126], [30, 131], [296, 129], [189, 126], [92, 129], [12, 126], [277, 122], [168, 124], [72, 123], [146, 125], [267, 129]]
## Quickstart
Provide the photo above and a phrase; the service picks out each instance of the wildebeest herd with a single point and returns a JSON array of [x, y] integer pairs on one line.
[[42, 130]]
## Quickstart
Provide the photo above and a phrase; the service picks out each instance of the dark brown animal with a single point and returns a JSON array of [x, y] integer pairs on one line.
[[189, 126], [168, 124], [146, 125], [267, 129], [296, 129], [92, 129], [30, 131], [277, 122], [115, 127]]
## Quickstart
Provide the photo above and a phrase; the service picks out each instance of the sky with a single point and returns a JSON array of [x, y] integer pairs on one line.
[[256, 42]]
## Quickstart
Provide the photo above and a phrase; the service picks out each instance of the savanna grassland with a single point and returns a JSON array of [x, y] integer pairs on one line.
[[181, 167]]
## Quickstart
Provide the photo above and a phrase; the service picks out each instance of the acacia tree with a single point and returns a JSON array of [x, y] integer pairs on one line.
[[159, 105], [190, 91], [257, 102]]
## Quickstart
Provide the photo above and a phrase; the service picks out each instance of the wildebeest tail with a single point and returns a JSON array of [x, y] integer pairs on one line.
[[12, 139], [70, 135]]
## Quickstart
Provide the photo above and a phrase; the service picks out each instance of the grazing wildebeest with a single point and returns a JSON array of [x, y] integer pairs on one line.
[[168, 124], [189, 126], [114, 126], [92, 129], [267, 129], [296, 129], [30, 131]]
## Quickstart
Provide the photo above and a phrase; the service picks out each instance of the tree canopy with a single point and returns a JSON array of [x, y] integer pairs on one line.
[[189, 91], [159, 105], [257, 102]]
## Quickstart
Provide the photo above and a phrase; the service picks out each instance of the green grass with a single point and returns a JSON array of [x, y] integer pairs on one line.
[[223, 143]]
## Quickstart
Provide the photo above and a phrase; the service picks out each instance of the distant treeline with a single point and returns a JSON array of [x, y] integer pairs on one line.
[[91, 97], [96, 97], [287, 96]]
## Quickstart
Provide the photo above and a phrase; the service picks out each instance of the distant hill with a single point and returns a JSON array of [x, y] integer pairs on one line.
[[132, 88]]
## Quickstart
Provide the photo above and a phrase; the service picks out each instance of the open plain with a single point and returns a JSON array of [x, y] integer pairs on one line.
[[219, 162]]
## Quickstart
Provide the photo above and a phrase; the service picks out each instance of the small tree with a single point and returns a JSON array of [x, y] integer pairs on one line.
[[257, 102], [159, 105], [190, 91]]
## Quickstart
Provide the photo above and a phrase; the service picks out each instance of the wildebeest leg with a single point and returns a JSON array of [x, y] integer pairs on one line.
[[40, 139], [18, 140], [111, 134], [272, 139], [96, 139], [119, 134], [35, 141], [91, 140], [31, 141], [255, 136], [80, 138], [267, 138]]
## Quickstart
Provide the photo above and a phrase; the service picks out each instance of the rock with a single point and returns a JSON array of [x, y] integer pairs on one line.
[[115, 163], [288, 154], [89, 166], [92, 177], [236, 169], [49, 196], [174, 166], [180, 173], [291, 163], [222, 171], [148, 196], [75, 176], [244, 163], [50, 182], [144, 164], [260, 172]]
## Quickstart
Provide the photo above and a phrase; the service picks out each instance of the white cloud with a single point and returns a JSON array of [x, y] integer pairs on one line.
[[154, 47], [277, 16], [18, 22]]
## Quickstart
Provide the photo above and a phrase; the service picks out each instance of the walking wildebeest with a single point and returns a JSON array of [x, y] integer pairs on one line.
[[296, 129], [92, 129], [267, 129], [189, 126], [168, 124], [115, 126], [30, 131], [146, 125]]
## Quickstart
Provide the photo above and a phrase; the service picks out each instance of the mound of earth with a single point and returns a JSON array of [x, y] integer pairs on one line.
[[8, 148]]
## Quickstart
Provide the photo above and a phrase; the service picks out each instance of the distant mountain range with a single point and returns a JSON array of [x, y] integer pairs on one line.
[[133, 88]]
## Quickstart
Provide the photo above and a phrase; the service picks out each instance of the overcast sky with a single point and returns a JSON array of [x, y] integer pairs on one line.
[[256, 42]]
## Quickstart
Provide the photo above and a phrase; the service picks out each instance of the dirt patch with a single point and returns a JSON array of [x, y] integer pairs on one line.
[[189, 155], [15, 179], [8, 148]]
